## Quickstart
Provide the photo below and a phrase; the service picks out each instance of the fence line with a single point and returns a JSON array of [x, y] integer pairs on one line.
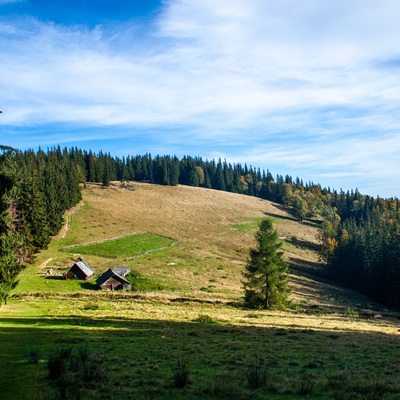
[[72, 246], [152, 251], [66, 248]]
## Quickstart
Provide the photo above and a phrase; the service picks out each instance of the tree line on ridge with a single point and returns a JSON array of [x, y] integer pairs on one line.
[[360, 234]]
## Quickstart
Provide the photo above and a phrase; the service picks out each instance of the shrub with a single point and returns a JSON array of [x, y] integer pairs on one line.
[[295, 307], [68, 371], [206, 319], [255, 373], [58, 362], [180, 373], [352, 313]]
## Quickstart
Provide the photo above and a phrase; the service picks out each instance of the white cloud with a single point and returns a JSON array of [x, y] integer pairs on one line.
[[309, 83], [11, 1]]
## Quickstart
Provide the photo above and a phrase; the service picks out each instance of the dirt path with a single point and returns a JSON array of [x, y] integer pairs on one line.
[[68, 216], [44, 264]]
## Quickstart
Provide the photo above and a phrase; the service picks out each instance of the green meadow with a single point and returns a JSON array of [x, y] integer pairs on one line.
[[126, 247]]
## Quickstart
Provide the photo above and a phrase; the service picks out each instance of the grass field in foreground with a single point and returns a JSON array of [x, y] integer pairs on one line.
[[138, 342]]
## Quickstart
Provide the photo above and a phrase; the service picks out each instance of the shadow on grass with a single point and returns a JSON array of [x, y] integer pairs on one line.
[[329, 294], [303, 244], [89, 286], [279, 216], [314, 223], [144, 348], [300, 266], [55, 277]]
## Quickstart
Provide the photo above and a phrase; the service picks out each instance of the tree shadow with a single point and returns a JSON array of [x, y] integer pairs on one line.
[[281, 208], [59, 277], [312, 222], [303, 244], [140, 349], [273, 215], [300, 266], [89, 285], [313, 283]]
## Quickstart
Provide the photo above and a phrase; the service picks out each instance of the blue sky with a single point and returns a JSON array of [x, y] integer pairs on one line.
[[310, 88]]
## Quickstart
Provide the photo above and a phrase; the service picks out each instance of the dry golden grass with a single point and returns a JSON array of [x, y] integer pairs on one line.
[[212, 252]]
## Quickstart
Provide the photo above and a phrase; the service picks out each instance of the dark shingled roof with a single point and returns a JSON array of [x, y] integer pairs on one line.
[[109, 274]]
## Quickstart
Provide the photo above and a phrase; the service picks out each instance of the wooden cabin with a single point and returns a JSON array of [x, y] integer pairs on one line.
[[80, 270], [111, 280]]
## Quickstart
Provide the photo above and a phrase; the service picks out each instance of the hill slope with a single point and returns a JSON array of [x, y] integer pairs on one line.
[[215, 230]]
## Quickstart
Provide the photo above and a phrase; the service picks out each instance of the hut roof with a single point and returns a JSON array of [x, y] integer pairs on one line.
[[84, 267], [110, 274], [122, 270]]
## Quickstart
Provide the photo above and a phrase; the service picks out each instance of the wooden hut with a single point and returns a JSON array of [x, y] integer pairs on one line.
[[111, 280], [80, 270]]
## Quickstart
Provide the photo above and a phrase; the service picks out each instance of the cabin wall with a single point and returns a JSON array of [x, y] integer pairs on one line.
[[112, 284]]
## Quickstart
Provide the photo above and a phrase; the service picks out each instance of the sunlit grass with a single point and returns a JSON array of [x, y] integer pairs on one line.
[[125, 247]]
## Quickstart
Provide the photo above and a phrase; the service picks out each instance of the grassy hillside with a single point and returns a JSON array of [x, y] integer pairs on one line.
[[333, 344]]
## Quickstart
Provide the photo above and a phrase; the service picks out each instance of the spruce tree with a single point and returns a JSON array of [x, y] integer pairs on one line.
[[10, 262], [266, 275]]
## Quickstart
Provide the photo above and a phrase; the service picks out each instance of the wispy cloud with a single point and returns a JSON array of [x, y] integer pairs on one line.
[[311, 88], [11, 1]]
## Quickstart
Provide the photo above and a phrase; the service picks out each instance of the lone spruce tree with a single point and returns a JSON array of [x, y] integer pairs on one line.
[[266, 276]]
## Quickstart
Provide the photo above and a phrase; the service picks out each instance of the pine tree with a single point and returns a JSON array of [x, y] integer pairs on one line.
[[10, 262], [174, 172], [266, 275]]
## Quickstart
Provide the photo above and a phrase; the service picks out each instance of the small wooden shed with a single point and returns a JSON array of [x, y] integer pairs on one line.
[[80, 270], [111, 280]]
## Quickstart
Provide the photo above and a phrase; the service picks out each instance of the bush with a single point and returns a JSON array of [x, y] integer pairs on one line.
[[352, 313], [206, 319], [68, 371], [255, 373], [90, 366], [180, 373], [58, 362]]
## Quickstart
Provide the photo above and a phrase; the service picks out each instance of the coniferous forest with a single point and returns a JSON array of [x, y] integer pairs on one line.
[[360, 234]]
